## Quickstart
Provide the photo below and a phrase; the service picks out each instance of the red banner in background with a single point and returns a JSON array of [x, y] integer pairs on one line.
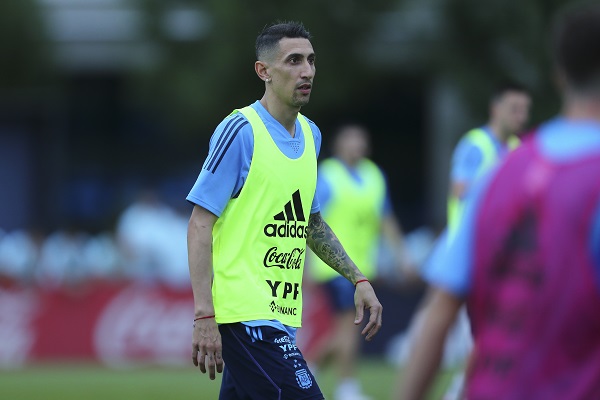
[[116, 324]]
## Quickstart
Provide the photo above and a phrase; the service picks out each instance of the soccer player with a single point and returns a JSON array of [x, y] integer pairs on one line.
[[481, 148], [354, 200], [255, 211], [526, 256]]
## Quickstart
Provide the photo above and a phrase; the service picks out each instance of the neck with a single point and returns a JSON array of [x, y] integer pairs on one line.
[[349, 161], [582, 107], [285, 115], [500, 134]]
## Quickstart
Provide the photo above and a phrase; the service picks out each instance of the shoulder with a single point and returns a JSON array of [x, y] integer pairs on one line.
[[232, 126], [466, 146], [313, 127]]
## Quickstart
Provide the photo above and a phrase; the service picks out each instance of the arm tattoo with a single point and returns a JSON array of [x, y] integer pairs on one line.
[[323, 242]]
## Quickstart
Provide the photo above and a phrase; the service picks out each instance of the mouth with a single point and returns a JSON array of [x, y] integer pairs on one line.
[[305, 88]]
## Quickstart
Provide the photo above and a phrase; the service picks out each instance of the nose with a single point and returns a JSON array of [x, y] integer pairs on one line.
[[308, 70]]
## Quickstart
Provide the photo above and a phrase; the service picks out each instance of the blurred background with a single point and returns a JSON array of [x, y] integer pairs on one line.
[[107, 106]]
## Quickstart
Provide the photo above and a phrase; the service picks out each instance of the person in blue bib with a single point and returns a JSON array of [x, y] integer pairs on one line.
[[255, 211]]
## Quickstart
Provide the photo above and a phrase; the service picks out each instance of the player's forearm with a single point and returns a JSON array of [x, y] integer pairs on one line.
[[428, 347], [323, 242], [199, 240], [422, 365]]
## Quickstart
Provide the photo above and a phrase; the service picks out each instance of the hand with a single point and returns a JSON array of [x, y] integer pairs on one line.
[[207, 347], [364, 298]]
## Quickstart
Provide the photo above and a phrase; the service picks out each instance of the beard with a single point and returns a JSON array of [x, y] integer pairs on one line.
[[300, 100]]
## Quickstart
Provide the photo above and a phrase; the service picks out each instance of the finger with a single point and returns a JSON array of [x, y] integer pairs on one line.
[[219, 361], [360, 309], [195, 356], [201, 364], [211, 366], [367, 329], [374, 323]]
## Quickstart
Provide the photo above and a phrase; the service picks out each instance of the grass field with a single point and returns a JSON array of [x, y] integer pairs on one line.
[[93, 382]]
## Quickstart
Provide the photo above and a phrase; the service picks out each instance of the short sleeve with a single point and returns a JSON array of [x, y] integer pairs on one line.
[[466, 161], [221, 176], [451, 263], [315, 206]]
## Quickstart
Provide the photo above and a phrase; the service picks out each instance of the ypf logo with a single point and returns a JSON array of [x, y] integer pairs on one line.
[[292, 221]]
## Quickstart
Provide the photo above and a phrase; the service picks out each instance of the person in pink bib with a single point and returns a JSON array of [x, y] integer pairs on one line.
[[526, 255]]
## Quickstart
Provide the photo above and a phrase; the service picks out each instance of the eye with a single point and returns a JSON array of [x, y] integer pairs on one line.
[[294, 60]]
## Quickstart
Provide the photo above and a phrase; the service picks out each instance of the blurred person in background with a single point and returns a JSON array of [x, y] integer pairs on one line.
[[151, 236], [255, 211], [478, 151], [526, 255], [355, 202], [61, 262], [481, 148], [101, 257], [19, 255]]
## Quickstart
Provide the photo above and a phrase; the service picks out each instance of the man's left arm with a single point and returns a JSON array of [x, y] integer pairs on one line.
[[427, 350], [325, 244]]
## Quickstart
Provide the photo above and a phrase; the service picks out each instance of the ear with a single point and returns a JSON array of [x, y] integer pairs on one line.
[[261, 69]]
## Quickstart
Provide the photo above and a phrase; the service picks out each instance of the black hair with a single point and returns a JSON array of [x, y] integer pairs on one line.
[[272, 34], [576, 45], [502, 88]]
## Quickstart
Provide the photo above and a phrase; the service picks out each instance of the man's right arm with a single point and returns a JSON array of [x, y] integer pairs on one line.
[[466, 161], [206, 342]]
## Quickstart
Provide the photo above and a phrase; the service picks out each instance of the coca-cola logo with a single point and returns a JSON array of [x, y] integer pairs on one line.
[[284, 260], [144, 324]]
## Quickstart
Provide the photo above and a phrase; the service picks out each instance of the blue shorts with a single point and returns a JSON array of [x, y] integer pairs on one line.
[[263, 363], [340, 292]]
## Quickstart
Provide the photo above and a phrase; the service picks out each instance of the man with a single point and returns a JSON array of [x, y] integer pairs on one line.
[[255, 211], [354, 200], [526, 256], [481, 148], [478, 151]]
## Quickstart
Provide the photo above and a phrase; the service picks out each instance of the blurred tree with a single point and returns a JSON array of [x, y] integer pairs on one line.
[[22, 46], [497, 40], [199, 81], [473, 44]]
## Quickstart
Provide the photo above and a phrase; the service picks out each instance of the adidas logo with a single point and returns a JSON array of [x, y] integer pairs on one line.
[[290, 216]]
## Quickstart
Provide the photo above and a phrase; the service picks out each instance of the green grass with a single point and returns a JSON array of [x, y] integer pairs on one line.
[[93, 382]]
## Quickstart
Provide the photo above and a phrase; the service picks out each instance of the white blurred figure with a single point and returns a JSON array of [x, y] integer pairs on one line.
[[419, 244], [173, 262], [153, 241], [61, 261], [19, 254], [101, 257]]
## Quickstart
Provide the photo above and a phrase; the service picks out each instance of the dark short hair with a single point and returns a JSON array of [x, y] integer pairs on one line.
[[576, 45], [272, 34], [501, 88]]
